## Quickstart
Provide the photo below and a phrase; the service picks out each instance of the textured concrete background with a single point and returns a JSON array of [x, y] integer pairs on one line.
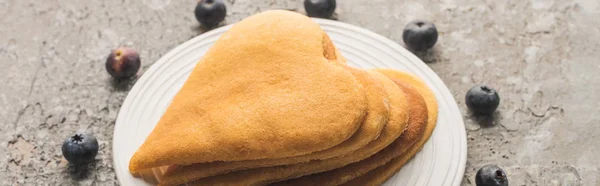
[[541, 55]]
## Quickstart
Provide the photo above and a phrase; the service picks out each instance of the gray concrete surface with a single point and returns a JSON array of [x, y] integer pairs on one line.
[[541, 55]]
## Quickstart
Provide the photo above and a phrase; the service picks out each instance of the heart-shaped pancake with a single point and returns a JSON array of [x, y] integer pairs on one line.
[[270, 87]]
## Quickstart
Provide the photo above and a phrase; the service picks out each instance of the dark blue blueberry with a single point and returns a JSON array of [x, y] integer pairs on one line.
[[482, 99], [80, 148], [420, 35], [319, 8], [210, 12], [491, 175], [123, 63]]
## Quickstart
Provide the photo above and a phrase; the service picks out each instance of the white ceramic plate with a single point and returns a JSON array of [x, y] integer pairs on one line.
[[440, 163]]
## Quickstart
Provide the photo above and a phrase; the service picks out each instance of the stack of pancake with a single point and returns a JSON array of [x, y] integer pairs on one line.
[[273, 102]]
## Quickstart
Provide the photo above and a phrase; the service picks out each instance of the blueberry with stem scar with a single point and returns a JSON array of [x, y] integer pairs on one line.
[[123, 63], [420, 35], [482, 99], [491, 175], [80, 148]]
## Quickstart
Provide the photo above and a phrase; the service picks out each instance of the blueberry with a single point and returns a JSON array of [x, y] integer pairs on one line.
[[210, 12], [482, 99], [80, 148], [123, 63], [491, 175], [420, 35], [319, 8]]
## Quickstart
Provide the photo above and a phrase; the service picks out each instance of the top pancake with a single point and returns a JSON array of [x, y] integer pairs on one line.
[[375, 120], [264, 90], [417, 124], [379, 175], [393, 129]]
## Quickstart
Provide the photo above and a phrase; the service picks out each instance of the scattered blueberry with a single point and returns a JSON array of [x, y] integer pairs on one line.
[[319, 8], [482, 99], [210, 12], [123, 63], [80, 148], [420, 35], [491, 175]]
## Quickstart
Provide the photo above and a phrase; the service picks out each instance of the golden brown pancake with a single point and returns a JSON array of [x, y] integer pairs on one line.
[[422, 88], [393, 129], [377, 117], [417, 123], [264, 90], [379, 175], [331, 50]]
